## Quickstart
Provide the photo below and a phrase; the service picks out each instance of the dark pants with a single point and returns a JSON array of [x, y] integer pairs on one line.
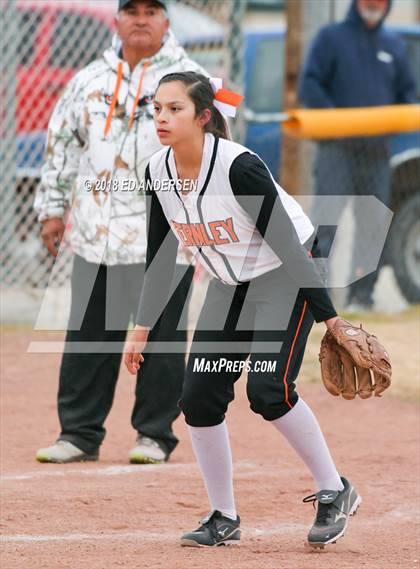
[[88, 380], [256, 317], [358, 167]]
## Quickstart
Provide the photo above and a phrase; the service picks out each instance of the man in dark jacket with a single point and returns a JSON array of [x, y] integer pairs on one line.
[[355, 63]]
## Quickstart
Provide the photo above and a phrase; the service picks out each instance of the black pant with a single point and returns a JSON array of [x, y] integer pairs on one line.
[[87, 380], [251, 319]]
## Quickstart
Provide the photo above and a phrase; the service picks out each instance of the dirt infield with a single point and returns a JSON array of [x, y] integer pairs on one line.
[[109, 514]]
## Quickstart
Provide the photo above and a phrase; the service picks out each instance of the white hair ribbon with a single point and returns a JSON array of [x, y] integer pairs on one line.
[[225, 101]]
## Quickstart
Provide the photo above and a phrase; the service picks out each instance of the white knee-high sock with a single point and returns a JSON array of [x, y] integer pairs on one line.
[[212, 450], [302, 431]]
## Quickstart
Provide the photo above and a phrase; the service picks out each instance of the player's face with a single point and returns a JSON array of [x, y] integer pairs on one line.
[[142, 25], [175, 115]]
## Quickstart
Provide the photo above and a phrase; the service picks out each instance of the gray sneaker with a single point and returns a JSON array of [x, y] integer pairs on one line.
[[62, 452], [148, 451], [333, 513], [214, 530]]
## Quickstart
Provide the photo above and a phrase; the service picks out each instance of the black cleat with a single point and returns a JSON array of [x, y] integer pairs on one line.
[[215, 530], [333, 513]]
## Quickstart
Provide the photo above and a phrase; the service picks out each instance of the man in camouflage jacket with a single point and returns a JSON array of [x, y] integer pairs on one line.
[[100, 138]]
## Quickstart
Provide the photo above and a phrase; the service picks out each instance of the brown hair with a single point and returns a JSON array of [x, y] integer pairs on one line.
[[201, 93]]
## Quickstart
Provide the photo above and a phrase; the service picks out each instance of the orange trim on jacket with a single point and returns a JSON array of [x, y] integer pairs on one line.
[[115, 97]]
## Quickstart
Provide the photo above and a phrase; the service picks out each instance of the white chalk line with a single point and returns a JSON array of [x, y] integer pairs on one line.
[[163, 536], [242, 467], [142, 535], [103, 471]]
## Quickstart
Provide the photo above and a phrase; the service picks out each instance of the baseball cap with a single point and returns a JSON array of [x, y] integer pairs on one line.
[[123, 3]]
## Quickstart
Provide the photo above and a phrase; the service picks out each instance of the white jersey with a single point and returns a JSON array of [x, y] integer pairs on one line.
[[211, 222]]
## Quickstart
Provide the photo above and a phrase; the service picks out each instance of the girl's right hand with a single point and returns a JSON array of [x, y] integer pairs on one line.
[[134, 347], [330, 323]]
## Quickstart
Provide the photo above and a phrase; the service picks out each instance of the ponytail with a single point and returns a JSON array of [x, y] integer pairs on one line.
[[218, 125]]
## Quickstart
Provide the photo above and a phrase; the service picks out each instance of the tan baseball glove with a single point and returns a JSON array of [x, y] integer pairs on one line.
[[353, 362]]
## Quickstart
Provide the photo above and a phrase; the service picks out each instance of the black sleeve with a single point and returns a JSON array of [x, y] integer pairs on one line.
[[162, 248], [249, 177]]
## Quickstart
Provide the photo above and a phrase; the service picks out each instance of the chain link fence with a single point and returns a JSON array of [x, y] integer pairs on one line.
[[43, 44]]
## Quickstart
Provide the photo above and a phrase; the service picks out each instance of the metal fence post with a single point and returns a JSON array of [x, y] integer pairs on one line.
[[236, 61], [8, 130]]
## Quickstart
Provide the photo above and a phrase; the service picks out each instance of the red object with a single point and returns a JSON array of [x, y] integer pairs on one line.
[[42, 74], [229, 97]]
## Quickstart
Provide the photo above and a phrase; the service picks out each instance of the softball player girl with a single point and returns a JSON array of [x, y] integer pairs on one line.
[[256, 243]]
